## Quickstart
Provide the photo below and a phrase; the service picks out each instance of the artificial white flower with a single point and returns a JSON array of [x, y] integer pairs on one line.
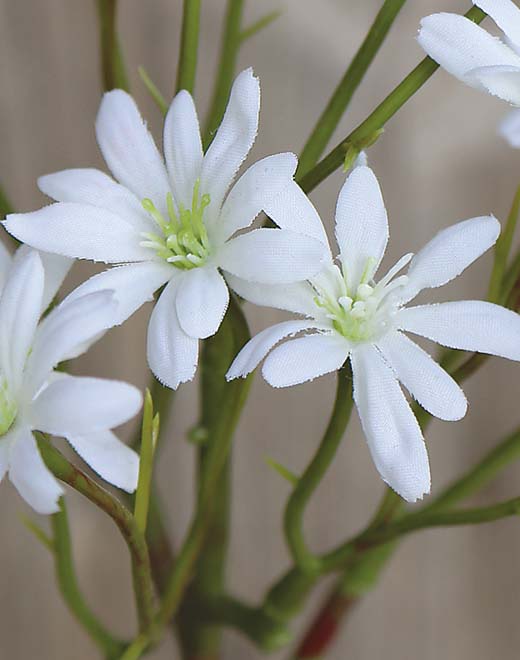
[[351, 315], [473, 55], [174, 223], [35, 397]]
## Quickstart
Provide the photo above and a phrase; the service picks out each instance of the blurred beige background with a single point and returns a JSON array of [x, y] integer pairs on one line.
[[451, 594]]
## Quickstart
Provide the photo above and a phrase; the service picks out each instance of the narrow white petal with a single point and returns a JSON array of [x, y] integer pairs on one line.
[[297, 297], [109, 457], [172, 354], [509, 128], [257, 348], [69, 326], [427, 382], [469, 325], [361, 223], [299, 360], [459, 45], [20, 308], [132, 284], [502, 80], [233, 139], [91, 186], [201, 302], [183, 147], [55, 268], [272, 256], [77, 406], [505, 14], [451, 251], [31, 477], [292, 209], [253, 192], [79, 231], [129, 149], [392, 432]]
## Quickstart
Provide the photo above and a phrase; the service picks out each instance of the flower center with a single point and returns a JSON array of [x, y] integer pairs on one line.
[[363, 312], [182, 240], [8, 407]]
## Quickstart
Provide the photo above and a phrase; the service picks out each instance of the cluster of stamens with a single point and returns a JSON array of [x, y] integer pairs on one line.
[[8, 407], [363, 311], [183, 241]]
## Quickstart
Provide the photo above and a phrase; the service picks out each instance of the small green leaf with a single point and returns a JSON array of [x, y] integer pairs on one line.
[[149, 435], [283, 471], [38, 532]]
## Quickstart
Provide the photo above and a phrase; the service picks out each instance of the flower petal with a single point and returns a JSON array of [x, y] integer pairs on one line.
[[69, 326], [91, 186], [509, 128], [272, 256], [20, 308], [459, 45], [183, 147], [505, 14], [201, 302], [132, 284], [427, 382], [297, 297], [253, 192], [79, 231], [109, 457], [299, 360], [129, 149], [257, 348], [31, 477], [233, 140], [361, 223], [72, 405], [292, 209], [392, 432], [55, 268], [172, 354], [451, 251], [500, 80], [469, 325]]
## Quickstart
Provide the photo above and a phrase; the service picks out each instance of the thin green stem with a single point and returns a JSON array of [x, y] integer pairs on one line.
[[153, 90], [344, 92], [259, 25], [5, 205], [314, 473], [110, 646], [366, 131], [149, 435], [230, 46], [502, 250], [122, 517], [112, 64], [187, 66]]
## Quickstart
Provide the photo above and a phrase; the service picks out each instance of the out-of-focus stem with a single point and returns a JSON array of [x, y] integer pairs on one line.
[[112, 64], [187, 67]]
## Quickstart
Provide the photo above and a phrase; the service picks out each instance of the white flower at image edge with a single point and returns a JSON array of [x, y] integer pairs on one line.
[[35, 397], [350, 314], [173, 224], [472, 54]]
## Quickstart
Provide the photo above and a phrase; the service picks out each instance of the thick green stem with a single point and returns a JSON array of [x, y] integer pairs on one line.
[[231, 40], [342, 96], [70, 590], [189, 46], [112, 64], [122, 517], [314, 473], [365, 132]]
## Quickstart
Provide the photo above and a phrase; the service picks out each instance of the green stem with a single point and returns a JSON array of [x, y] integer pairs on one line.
[[189, 45], [364, 133], [343, 93], [70, 590], [112, 64], [230, 46], [122, 517], [502, 249], [314, 473], [259, 25], [5, 205]]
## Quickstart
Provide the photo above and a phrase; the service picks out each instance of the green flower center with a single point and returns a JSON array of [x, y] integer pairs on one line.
[[8, 408], [183, 239], [363, 312]]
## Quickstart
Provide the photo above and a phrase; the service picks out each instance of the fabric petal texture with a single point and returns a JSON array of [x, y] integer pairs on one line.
[[297, 297], [201, 302]]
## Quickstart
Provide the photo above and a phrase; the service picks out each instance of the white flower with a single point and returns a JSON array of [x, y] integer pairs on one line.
[[473, 55], [173, 223], [35, 397], [351, 315]]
